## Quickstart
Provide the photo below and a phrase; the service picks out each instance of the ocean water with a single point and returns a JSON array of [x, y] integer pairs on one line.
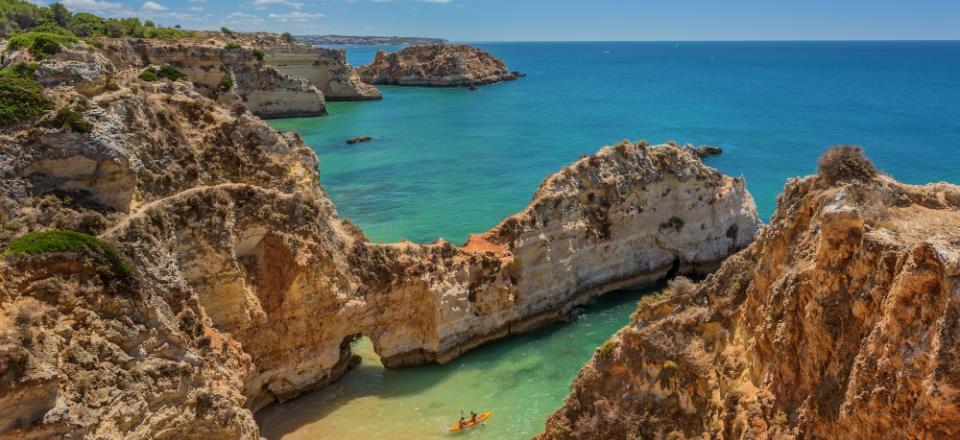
[[449, 162]]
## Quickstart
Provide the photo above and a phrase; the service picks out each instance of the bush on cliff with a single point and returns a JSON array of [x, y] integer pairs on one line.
[[40, 44], [845, 163], [169, 72], [69, 118], [226, 83], [258, 54], [149, 74], [21, 97], [61, 241], [232, 45]]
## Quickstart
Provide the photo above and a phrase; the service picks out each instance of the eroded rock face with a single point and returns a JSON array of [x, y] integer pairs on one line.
[[840, 321], [265, 90], [327, 69], [246, 287], [439, 65]]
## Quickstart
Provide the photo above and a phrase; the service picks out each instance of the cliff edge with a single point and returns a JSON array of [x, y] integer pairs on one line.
[[840, 321]]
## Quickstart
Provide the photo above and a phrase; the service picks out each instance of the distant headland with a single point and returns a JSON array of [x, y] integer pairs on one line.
[[337, 40]]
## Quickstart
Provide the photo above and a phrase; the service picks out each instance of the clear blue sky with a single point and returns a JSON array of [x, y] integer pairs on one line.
[[512, 20]]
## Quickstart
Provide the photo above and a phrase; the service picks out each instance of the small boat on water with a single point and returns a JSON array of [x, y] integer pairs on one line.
[[457, 427]]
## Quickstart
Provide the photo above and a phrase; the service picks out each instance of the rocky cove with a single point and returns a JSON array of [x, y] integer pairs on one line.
[[246, 286]]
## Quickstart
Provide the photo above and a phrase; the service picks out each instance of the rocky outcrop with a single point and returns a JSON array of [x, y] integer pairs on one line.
[[224, 74], [327, 69], [235, 283], [439, 65], [840, 321]]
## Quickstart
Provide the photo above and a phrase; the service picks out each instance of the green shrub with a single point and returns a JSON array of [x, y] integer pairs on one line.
[[20, 95], [171, 73], [606, 350], [226, 83], [258, 54], [149, 74], [52, 28], [68, 117], [226, 31], [287, 37], [40, 44], [232, 45], [59, 240]]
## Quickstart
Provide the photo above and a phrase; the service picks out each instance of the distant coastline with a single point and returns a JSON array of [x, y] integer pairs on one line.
[[347, 40]]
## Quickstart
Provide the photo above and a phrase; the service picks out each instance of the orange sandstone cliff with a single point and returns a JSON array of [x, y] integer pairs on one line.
[[842, 320]]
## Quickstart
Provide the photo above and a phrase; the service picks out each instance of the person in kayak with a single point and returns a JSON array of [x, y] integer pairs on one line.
[[462, 422], [473, 417]]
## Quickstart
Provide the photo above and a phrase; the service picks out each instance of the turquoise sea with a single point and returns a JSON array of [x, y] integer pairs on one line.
[[448, 162]]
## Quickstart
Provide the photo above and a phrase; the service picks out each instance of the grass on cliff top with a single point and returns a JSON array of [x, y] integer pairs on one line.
[[21, 97], [40, 44], [59, 240]]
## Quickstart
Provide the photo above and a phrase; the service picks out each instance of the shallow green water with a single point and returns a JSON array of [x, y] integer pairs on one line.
[[521, 379]]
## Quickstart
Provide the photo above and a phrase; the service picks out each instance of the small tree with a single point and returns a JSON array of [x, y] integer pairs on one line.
[[149, 23], [60, 14], [226, 31], [286, 36], [113, 29]]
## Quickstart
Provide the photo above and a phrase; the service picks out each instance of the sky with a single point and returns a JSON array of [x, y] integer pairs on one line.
[[558, 20]]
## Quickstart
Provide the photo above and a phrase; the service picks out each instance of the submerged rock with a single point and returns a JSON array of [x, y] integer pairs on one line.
[[704, 150], [359, 139], [439, 65], [840, 321]]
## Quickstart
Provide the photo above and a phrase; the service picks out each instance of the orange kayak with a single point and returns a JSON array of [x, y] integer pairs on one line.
[[468, 424]]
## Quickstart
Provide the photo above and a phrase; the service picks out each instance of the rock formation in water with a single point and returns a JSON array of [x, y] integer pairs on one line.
[[439, 65], [327, 69], [840, 321], [216, 276]]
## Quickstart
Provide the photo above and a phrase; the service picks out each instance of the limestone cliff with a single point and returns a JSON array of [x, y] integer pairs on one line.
[[438, 65], [224, 74], [327, 69], [222, 279], [840, 321]]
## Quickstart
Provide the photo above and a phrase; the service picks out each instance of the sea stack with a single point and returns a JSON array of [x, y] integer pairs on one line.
[[437, 65], [840, 321]]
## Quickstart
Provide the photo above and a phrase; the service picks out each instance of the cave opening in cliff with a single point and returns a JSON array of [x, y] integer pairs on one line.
[[362, 352]]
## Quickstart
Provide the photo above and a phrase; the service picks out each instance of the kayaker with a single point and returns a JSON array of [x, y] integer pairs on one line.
[[473, 417], [463, 422]]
